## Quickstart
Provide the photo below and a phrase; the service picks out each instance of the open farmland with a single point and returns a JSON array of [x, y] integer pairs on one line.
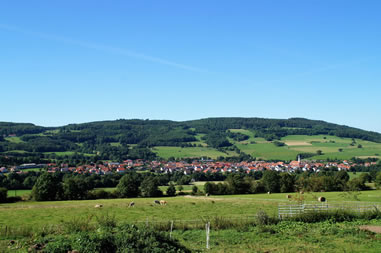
[[179, 152], [332, 147], [24, 218], [189, 213], [39, 214]]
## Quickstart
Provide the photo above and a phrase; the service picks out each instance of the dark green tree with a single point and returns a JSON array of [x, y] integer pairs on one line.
[[171, 190], [128, 186], [3, 194], [209, 187], [237, 184], [180, 188], [75, 188], [48, 187], [150, 187], [271, 180], [194, 190], [287, 182]]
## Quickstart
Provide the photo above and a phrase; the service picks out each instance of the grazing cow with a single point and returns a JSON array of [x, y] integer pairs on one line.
[[98, 206], [132, 204], [157, 202], [268, 192], [207, 195], [163, 202], [288, 196]]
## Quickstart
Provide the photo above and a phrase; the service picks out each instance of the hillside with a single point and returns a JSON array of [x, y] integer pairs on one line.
[[229, 138]]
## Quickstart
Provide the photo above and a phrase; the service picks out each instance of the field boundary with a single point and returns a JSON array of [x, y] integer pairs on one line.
[[293, 209]]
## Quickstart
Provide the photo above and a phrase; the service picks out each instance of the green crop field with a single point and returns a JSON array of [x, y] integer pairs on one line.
[[14, 139], [179, 152], [67, 153], [295, 144]]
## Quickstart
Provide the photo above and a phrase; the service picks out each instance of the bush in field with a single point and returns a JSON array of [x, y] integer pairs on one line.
[[271, 181], [194, 190], [150, 187], [171, 191], [3, 194], [48, 187], [102, 194], [75, 188], [357, 184], [128, 186], [378, 180], [127, 238]]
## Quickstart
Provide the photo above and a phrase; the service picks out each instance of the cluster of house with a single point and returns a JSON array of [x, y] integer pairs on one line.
[[204, 166]]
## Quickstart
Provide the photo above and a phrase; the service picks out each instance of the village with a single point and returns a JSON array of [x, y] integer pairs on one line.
[[196, 166]]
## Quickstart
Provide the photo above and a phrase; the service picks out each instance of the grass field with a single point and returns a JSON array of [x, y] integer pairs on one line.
[[14, 139], [67, 153], [178, 208], [179, 152], [295, 144], [283, 237]]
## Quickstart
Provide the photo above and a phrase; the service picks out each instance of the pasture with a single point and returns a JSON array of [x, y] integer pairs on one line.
[[332, 147], [179, 152], [38, 214], [33, 217]]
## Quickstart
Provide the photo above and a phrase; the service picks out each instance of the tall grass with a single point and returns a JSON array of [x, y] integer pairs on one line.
[[338, 215]]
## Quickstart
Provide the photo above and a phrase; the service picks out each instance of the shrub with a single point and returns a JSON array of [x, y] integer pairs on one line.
[[333, 216], [194, 190], [13, 199], [127, 238], [3, 194], [262, 218], [98, 194], [171, 191]]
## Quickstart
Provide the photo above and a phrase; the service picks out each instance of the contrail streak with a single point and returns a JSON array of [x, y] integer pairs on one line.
[[104, 48], [318, 70]]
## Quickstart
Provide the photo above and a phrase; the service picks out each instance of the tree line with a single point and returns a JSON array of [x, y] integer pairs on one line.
[[276, 182]]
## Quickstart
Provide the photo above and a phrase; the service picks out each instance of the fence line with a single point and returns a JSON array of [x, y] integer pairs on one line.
[[292, 209]]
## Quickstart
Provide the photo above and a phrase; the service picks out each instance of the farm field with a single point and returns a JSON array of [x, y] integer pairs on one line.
[[295, 144], [31, 213], [179, 152], [24, 217]]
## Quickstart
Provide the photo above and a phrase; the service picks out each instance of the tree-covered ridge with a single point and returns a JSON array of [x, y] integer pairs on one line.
[[276, 128], [122, 139]]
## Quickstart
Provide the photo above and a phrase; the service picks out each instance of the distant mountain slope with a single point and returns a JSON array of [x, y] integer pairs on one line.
[[121, 139]]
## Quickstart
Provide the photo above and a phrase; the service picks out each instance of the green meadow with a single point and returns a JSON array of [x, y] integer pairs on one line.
[[39, 214], [24, 220], [179, 152], [332, 147]]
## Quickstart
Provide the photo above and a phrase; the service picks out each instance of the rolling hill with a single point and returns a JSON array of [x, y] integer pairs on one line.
[[217, 138]]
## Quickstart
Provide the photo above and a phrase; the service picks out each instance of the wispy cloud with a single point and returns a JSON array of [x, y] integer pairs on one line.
[[317, 70], [110, 49]]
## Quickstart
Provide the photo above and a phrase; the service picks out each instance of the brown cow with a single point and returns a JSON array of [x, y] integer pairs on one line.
[[132, 204], [163, 202]]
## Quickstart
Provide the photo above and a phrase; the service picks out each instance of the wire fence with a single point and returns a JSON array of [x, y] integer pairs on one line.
[[294, 209]]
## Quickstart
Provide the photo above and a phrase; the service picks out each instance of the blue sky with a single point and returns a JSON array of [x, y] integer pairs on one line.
[[78, 61]]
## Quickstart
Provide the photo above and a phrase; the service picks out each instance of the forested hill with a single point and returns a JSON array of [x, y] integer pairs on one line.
[[135, 138]]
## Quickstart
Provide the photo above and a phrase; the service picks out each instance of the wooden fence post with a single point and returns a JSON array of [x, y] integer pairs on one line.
[[170, 233], [207, 226]]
